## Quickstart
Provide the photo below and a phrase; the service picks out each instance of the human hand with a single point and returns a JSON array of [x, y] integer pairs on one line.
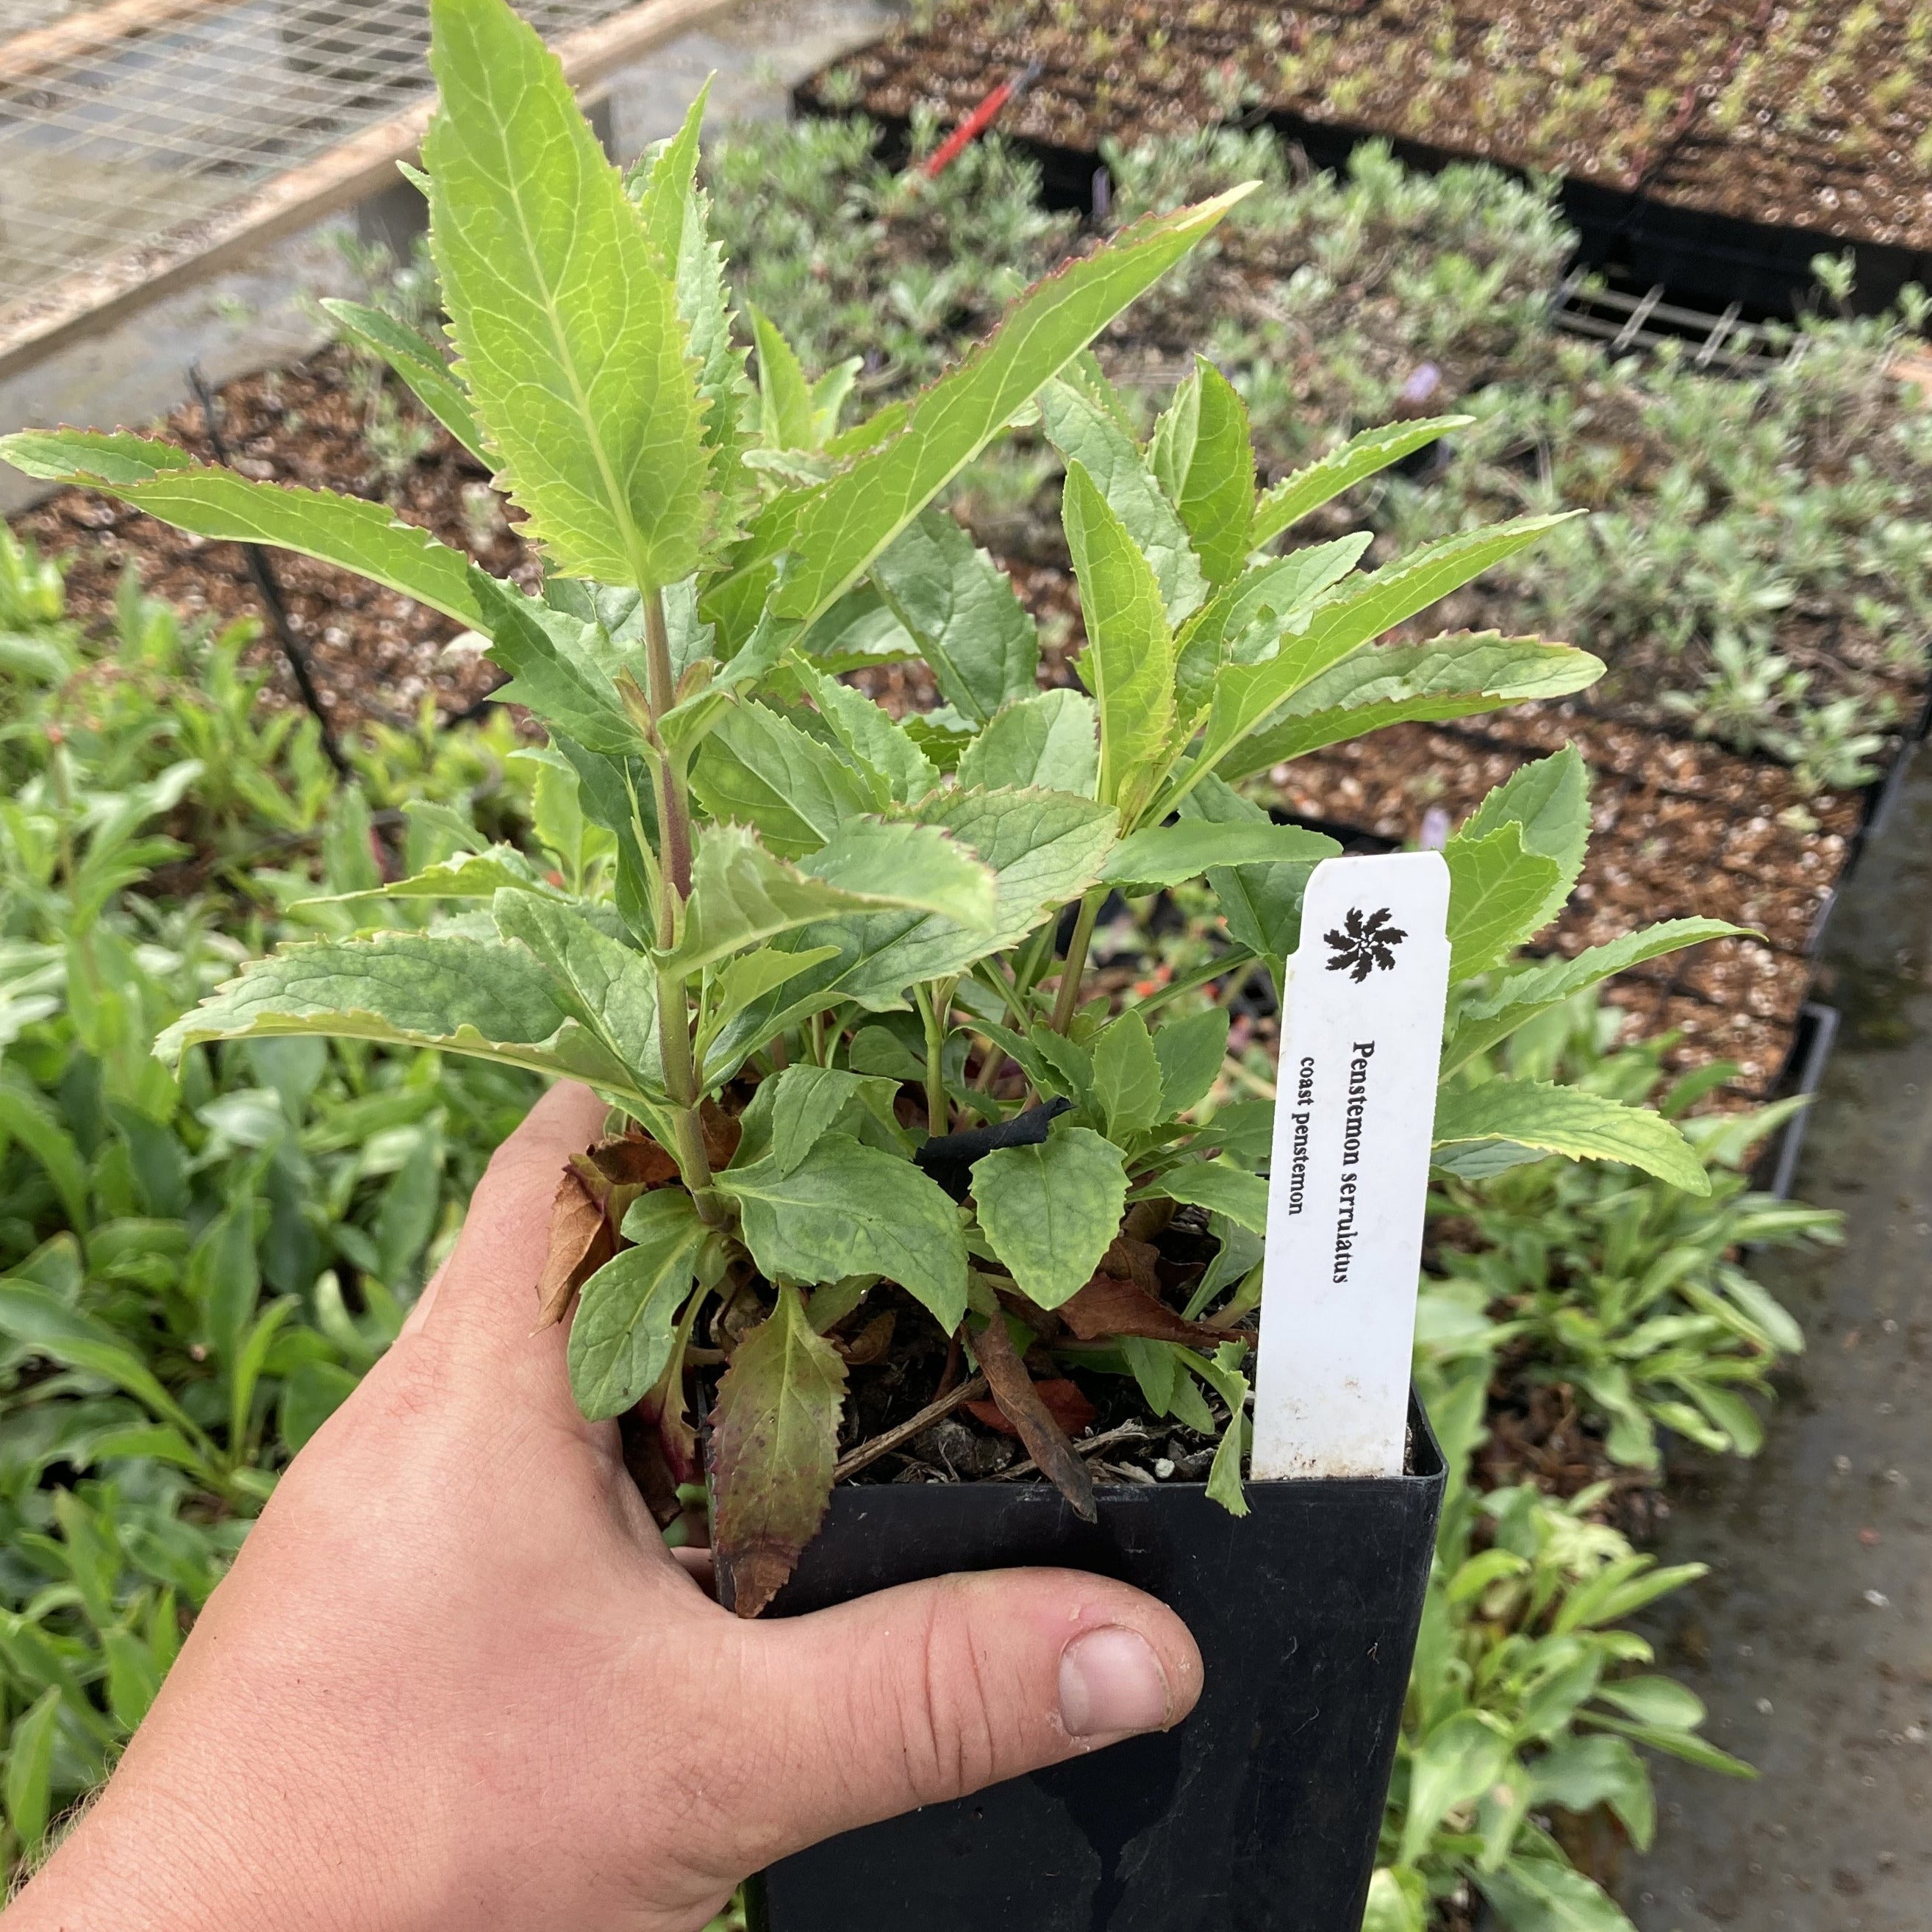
[[456, 1680]]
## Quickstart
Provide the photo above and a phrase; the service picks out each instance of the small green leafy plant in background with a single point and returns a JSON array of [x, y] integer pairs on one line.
[[1635, 1296], [196, 1267], [1527, 1701], [799, 943]]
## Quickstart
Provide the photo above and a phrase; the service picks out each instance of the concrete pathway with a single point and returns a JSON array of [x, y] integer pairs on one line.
[[1811, 1639]]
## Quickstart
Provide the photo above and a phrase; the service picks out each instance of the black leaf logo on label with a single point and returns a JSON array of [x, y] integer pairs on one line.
[[1364, 943]]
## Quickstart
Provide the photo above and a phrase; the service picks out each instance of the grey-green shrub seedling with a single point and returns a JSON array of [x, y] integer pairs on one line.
[[799, 937]]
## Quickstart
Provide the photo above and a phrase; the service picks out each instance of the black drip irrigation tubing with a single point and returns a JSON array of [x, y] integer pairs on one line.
[[268, 586]]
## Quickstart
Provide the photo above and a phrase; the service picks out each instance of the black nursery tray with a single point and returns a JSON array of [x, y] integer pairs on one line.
[[1259, 1814]]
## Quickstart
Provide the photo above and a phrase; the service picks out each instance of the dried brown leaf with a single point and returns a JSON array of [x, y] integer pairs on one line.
[[633, 1160], [1127, 1259], [722, 1132], [870, 1343], [581, 1243], [1020, 1402], [1108, 1305]]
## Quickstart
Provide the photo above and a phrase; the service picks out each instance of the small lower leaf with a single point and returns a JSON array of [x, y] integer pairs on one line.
[[774, 1440], [1051, 1209], [627, 1313]]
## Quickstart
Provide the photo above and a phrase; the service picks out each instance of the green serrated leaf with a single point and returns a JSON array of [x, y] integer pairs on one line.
[[741, 896], [1360, 458], [368, 539], [1203, 459], [793, 1111], [1247, 697], [418, 362], [774, 1443], [1244, 621], [1219, 1186], [843, 526], [1050, 739], [786, 418], [1165, 855], [848, 1209], [1127, 1076], [1190, 1052], [869, 734], [1128, 664], [615, 986], [1260, 904], [571, 346], [1571, 1121], [960, 609], [1519, 998], [759, 769], [1549, 799], [1497, 894], [621, 1334], [466, 875], [1044, 848], [861, 629], [1087, 435], [1052, 1211], [1392, 684], [891, 862], [407, 989], [552, 660]]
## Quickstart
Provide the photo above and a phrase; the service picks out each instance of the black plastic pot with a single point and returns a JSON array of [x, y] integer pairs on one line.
[[1259, 1814]]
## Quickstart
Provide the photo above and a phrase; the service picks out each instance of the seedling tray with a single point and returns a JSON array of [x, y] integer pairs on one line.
[[1261, 1811], [1689, 158]]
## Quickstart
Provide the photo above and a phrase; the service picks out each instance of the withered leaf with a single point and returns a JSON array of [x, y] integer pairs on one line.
[[870, 1343], [1130, 1260], [1108, 1305], [1020, 1402], [633, 1160], [722, 1133], [774, 1440], [581, 1243], [1066, 1401]]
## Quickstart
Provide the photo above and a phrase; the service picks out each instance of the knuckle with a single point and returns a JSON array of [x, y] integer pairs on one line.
[[951, 1720]]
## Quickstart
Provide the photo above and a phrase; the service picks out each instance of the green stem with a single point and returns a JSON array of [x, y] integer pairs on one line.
[[932, 1010], [1068, 1003], [675, 1018]]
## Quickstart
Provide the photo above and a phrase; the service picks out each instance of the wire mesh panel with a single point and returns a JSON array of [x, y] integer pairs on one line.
[[128, 138]]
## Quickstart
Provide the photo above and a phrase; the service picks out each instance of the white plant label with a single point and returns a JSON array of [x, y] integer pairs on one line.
[[1355, 1108]]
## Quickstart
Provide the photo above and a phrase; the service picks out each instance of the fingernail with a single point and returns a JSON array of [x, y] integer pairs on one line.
[[1110, 1680]]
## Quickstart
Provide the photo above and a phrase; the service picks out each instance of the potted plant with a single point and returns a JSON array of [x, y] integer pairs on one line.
[[879, 1155]]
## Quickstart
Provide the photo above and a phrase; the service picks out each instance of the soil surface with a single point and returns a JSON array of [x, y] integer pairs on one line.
[[1811, 1639], [1809, 115], [375, 654]]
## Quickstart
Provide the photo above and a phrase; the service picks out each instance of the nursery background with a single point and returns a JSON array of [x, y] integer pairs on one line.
[[1675, 1670]]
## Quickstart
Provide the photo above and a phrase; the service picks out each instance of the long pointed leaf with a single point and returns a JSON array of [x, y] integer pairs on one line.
[[368, 539], [419, 363], [1128, 663], [842, 526], [1390, 684], [571, 344], [1360, 458]]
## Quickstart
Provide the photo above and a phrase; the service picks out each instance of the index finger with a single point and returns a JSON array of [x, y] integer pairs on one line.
[[487, 1290]]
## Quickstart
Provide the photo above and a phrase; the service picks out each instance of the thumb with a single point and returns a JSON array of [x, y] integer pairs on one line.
[[924, 1694]]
